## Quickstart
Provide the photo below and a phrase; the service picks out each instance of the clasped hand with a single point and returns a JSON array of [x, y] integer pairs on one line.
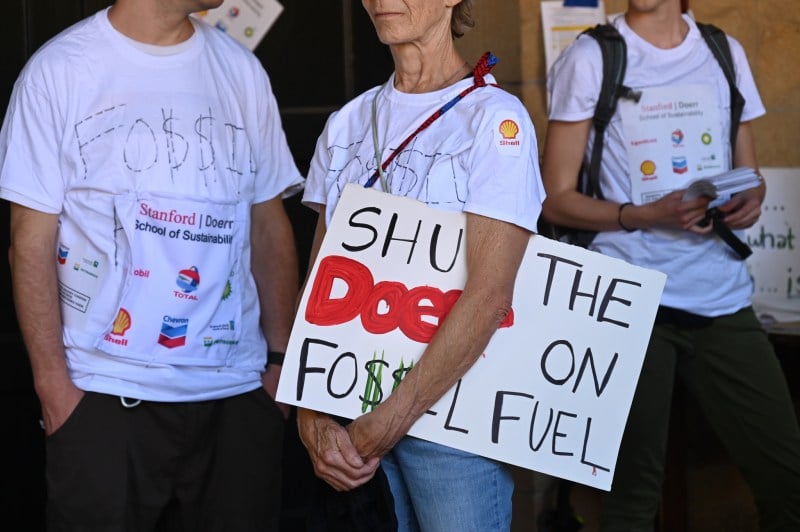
[[334, 455]]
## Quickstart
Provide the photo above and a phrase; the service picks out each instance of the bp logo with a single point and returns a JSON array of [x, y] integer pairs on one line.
[[705, 138]]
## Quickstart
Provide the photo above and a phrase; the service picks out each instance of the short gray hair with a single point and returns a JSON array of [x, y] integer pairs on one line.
[[462, 20]]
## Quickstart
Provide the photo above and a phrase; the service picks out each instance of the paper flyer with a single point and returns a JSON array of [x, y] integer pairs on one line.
[[562, 24], [247, 21]]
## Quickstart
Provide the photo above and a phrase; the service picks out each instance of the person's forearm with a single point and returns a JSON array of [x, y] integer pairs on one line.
[[38, 313], [274, 266], [576, 210], [495, 251], [453, 350], [35, 286]]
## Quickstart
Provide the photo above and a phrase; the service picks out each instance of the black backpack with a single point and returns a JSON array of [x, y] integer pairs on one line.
[[612, 88]]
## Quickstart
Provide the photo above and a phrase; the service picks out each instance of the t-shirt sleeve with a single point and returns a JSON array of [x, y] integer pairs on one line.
[[505, 182], [573, 82], [30, 172], [753, 106], [314, 193], [277, 173]]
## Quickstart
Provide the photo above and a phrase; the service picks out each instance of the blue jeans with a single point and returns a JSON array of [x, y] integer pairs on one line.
[[441, 489]]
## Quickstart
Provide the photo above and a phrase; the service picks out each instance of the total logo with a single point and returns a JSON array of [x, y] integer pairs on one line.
[[188, 280], [677, 137]]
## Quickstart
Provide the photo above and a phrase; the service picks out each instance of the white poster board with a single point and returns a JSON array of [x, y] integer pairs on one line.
[[775, 262], [553, 388], [561, 25], [247, 21]]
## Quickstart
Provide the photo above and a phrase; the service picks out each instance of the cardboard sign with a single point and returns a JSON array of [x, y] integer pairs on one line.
[[775, 262], [553, 388]]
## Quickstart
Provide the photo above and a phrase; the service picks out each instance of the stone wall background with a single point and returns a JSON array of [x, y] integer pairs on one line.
[[769, 30]]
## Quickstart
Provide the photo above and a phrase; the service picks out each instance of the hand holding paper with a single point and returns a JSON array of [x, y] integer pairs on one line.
[[724, 184]]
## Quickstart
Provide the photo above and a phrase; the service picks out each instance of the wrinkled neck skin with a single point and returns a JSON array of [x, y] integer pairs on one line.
[[428, 65]]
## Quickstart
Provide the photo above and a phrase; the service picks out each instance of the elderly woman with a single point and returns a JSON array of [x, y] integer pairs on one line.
[[444, 134]]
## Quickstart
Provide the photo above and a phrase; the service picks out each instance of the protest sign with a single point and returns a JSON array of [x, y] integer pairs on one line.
[[775, 262], [551, 391]]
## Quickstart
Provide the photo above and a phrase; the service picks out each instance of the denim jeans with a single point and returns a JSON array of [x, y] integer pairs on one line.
[[441, 489]]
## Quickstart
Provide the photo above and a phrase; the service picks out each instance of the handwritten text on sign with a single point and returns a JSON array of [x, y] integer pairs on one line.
[[553, 389], [775, 263]]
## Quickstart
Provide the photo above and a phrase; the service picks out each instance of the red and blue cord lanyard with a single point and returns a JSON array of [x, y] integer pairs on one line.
[[484, 65]]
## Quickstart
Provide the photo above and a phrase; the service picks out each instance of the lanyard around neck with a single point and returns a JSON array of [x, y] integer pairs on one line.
[[485, 64]]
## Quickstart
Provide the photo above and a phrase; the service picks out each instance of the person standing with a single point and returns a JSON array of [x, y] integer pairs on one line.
[[706, 333], [153, 269], [433, 132]]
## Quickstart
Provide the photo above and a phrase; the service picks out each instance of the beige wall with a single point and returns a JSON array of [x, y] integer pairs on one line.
[[769, 30]]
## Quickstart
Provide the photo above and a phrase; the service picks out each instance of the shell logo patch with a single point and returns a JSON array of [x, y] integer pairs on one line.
[[121, 323], [507, 139], [508, 129], [118, 329], [648, 167]]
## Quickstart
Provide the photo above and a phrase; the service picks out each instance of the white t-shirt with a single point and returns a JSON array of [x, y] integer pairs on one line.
[[123, 145], [703, 274], [478, 157]]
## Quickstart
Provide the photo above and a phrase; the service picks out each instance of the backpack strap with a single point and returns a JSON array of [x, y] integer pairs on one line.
[[718, 43], [614, 51]]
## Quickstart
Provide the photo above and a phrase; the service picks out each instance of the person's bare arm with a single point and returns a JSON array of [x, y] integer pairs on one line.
[[563, 155], [333, 455], [35, 285], [744, 208], [494, 253], [274, 266]]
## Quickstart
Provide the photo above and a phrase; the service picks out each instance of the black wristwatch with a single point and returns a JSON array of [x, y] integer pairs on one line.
[[275, 358]]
